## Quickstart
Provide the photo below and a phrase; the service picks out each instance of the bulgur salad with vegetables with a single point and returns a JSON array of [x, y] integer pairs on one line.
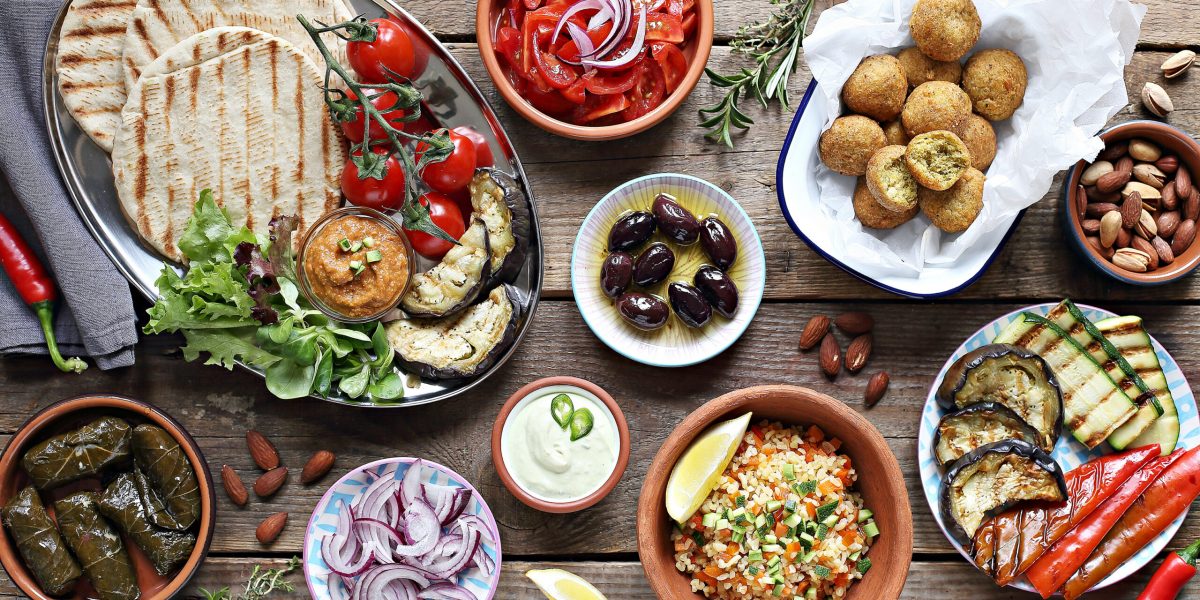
[[782, 521]]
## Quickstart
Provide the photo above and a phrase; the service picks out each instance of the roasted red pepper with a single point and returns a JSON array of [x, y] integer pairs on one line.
[[1007, 544], [1162, 502], [1057, 565], [1172, 575], [35, 287]]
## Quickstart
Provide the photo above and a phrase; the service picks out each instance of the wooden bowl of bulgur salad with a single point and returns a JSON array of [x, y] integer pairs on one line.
[[775, 492]]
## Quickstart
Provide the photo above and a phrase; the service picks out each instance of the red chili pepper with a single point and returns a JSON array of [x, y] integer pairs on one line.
[[35, 287], [1172, 575]]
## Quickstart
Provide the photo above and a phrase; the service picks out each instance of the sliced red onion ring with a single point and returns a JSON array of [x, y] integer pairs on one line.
[[422, 528], [374, 581], [624, 11], [582, 42], [411, 488], [445, 590], [483, 561], [479, 525], [602, 16], [575, 9], [452, 555], [628, 57]]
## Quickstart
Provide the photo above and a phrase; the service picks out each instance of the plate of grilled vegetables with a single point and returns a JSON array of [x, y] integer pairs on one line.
[[1057, 447]]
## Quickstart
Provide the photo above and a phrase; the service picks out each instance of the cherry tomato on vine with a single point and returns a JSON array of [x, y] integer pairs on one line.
[[444, 213], [380, 194], [354, 129], [456, 171], [392, 50], [483, 152]]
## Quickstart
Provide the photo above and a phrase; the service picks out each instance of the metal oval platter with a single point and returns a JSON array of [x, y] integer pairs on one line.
[[450, 96]]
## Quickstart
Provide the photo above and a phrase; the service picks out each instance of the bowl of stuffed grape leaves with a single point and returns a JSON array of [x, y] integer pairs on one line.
[[104, 497]]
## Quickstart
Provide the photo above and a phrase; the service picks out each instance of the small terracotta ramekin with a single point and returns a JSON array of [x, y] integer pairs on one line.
[[582, 503], [66, 414], [1171, 140]]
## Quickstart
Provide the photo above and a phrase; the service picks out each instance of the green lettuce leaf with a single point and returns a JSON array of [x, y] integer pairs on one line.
[[226, 346], [210, 235]]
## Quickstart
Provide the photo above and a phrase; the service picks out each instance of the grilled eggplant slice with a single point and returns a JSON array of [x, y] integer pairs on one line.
[[461, 346], [457, 281], [499, 202], [993, 478], [978, 425], [1014, 377]]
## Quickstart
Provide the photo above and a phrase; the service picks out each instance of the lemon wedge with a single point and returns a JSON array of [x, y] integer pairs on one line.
[[558, 584], [698, 470]]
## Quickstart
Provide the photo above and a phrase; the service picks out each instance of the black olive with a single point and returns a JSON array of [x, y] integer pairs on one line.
[[643, 310], [718, 243], [675, 221], [691, 307], [631, 231], [616, 273], [718, 289], [654, 265]]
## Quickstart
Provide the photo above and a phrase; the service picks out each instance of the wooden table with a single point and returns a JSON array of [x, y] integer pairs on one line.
[[912, 341]]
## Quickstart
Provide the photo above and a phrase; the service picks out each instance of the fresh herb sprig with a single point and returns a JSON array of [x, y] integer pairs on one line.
[[262, 583], [343, 109], [774, 45]]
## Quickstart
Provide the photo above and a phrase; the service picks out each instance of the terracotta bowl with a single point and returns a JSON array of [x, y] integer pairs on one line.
[[879, 480], [594, 497], [72, 413], [1172, 141], [695, 52]]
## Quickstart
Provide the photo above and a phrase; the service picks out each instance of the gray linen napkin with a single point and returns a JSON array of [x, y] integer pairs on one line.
[[95, 316]]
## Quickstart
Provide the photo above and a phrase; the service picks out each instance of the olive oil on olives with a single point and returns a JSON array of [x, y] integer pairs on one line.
[[689, 305], [675, 221], [631, 231], [616, 274], [653, 265], [718, 243], [718, 289], [643, 310]]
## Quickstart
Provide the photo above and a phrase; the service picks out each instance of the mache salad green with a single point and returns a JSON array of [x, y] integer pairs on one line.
[[238, 301]]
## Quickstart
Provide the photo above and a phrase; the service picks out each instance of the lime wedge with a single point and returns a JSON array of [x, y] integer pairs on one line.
[[558, 584], [698, 470]]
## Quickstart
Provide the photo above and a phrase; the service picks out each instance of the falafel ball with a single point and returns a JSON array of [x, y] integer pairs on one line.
[[935, 105], [995, 79], [849, 143], [919, 68], [873, 215], [955, 209], [889, 180], [876, 88], [945, 29], [979, 136], [895, 134]]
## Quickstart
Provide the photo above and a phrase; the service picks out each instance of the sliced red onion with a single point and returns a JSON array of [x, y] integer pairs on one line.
[[411, 488], [483, 561], [445, 590], [575, 9], [374, 581], [582, 42], [343, 565], [479, 525], [602, 16], [452, 555], [422, 528], [621, 24], [639, 40], [378, 538]]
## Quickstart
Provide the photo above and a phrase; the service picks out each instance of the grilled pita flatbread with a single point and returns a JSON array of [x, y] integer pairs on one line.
[[90, 75], [157, 25], [241, 114]]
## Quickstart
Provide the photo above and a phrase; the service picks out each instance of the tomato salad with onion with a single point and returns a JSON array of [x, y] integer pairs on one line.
[[595, 62], [392, 55]]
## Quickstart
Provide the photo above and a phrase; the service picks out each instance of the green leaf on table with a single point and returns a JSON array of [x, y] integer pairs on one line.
[[225, 346]]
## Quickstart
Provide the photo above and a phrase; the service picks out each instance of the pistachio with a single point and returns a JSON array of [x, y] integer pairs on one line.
[[1110, 225], [1150, 175], [1147, 247], [1147, 192], [1143, 150], [1156, 100], [1146, 227], [1094, 171], [1132, 259], [1178, 63]]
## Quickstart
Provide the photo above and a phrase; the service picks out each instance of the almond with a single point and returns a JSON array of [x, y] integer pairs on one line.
[[830, 356], [1167, 223], [1131, 209], [1169, 198], [1081, 201], [876, 388], [814, 331], [1114, 151], [1143, 245], [1184, 236], [1124, 237], [1110, 224], [1144, 150], [317, 467], [1091, 226], [268, 483], [858, 352], [1183, 182], [1165, 255], [1097, 210], [1191, 207], [270, 528], [1124, 165], [1094, 171], [1167, 164], [855, 323], [234, 488], [1094, 242], [1111, 182], [262, 451]]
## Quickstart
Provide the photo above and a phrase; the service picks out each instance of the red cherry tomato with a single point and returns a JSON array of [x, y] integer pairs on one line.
[[354, 129], [670, 59], [598, 107], [456, 171], [508, 46], [380, 194], [392, 50], [420, 50], [444, 213], [557, 73], [600, 82], [576, 93], [664, 28], [483, 152], [647, 93]]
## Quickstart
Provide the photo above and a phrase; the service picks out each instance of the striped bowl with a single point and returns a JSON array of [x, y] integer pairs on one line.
[[675, 344]]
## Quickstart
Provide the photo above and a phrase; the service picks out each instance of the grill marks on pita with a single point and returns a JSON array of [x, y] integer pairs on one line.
[[89, 67]]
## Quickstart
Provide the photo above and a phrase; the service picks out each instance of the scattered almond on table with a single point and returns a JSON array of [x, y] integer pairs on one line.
[[317, 467], [270, 528], [857, 325], [262, 451], [270, 482], [234, 488]]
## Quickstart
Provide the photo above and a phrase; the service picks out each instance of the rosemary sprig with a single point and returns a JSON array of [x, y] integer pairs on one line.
[[774, 45], [262, 583], [408, 98]]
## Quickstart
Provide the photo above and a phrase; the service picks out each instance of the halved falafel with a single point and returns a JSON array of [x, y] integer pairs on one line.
[[889, 180], [937, 159], [849, 143], [872, 214]]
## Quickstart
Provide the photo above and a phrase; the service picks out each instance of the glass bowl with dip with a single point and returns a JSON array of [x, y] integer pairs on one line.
[[560, 444], [355, 264]]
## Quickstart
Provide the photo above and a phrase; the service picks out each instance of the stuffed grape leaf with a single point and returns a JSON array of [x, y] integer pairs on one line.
[[171, 476], [84, 452], [42, 548], [97, 546], [122, 504]]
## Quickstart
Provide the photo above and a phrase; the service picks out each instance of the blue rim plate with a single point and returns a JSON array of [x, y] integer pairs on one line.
[[674, 345], [806, 223], [324, 522], [1068, 452]]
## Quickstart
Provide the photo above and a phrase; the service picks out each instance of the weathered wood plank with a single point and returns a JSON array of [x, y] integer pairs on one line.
[[911, 342]]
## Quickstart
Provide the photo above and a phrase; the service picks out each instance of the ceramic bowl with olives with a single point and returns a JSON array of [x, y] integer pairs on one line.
[[668, 262]]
